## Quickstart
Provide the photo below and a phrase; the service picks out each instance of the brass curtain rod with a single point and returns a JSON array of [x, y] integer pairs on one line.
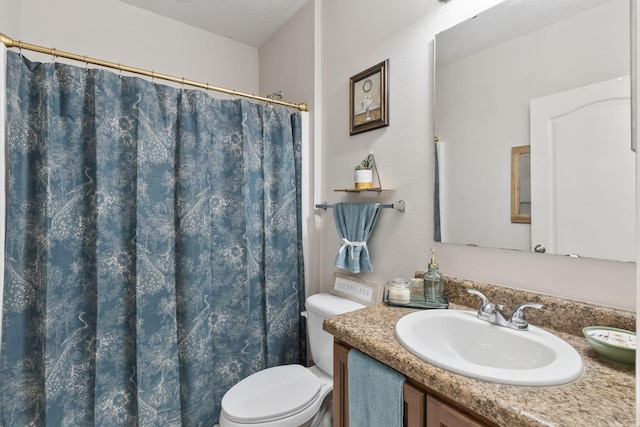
[[9, 43]]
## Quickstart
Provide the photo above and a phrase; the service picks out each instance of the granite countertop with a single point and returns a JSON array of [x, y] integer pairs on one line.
[[603, 396]]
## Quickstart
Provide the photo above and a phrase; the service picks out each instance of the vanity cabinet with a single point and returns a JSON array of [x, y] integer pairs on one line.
[[421, 409], [441, 414]]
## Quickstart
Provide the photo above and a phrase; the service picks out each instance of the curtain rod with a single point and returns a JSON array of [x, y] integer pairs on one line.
[[9, 43]]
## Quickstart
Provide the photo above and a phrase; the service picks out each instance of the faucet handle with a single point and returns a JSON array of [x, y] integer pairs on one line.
[[486, 306], [517, 318]]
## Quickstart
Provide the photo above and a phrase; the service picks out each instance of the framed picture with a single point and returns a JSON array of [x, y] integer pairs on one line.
[[368, 101], [521, 184], [359, 290]]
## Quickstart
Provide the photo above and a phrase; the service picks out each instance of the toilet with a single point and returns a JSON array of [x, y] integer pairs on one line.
[[289, 395]]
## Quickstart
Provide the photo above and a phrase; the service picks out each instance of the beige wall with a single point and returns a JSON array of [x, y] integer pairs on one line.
[[9, 17], [118, 32], [287, 61]]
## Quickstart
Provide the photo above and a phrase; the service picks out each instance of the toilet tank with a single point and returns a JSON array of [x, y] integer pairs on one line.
[[319, 307]]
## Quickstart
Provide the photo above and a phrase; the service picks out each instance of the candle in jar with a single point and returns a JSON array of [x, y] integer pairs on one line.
[[399, 291]]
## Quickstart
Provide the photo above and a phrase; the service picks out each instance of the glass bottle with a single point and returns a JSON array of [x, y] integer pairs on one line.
[[433, 283], [417, 289]]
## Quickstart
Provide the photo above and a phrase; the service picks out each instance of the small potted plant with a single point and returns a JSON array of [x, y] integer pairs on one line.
[[363, 174]]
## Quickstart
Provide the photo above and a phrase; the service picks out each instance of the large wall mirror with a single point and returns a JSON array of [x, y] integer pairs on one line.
[[554, 76]]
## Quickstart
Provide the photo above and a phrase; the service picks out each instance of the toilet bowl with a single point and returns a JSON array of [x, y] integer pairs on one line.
[[282, 396], [289, 395]]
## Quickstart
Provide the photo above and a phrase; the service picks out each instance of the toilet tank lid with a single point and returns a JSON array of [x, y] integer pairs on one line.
[[328, 305]]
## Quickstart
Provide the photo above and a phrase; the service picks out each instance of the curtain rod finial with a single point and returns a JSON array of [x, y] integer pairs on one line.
[[303, 107], [7, 41]]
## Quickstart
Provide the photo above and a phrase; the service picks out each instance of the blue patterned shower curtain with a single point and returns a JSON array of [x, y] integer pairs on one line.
[[153, 252], [437, 229]]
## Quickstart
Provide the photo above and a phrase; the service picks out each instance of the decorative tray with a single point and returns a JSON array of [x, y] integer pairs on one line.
[[444, 303]]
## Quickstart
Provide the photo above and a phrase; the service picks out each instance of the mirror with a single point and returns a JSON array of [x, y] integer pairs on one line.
[[499, 77]]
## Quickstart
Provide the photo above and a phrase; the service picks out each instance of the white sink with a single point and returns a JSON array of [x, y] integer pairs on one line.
[[459, 342]]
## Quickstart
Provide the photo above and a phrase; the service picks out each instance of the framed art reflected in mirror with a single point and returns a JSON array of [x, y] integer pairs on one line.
[[521, 185]]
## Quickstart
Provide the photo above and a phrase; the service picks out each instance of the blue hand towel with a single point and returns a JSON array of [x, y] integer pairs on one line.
[[375, 392], [354, 223]]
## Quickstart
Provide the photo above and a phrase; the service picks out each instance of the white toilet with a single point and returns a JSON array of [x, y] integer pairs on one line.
[[290, 395]]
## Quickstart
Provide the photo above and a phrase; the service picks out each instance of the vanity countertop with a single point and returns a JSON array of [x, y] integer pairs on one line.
[[603, 396]]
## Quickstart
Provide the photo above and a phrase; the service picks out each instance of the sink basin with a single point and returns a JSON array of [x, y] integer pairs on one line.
[[459, 342]]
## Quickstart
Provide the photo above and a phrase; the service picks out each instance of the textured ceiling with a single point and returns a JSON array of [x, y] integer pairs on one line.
[[250, 22], [503, 22]]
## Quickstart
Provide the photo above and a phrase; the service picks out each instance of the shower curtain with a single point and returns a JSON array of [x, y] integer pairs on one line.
[[153, 249], [437, 231]]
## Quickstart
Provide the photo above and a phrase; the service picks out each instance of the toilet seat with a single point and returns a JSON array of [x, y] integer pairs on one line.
[[273, 394]]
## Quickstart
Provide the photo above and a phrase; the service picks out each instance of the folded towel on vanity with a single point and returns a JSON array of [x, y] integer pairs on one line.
[[375, 392]]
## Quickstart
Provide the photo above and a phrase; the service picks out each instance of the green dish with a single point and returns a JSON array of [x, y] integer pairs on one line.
[[612, 344]]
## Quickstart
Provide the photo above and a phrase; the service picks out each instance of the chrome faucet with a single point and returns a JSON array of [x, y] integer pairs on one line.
[[491, 313]]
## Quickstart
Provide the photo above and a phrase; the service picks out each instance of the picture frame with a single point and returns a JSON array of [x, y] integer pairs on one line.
[[368, 99], [521, 184], [365, 292]]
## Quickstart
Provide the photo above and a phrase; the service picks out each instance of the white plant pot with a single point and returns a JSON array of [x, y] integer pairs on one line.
[[363, 178]]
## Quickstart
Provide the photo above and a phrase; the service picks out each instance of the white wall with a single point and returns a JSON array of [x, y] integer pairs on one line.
[[121, 33], [358, 34]]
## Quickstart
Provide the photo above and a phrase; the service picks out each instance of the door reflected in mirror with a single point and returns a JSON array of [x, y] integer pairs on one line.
[[490, 71]]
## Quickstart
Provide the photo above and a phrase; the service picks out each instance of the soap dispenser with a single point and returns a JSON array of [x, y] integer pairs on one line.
[[433, 283]]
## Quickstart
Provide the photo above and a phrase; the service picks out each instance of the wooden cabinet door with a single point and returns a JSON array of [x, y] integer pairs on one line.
[[415, 406], [340, 390], [440, 414]]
